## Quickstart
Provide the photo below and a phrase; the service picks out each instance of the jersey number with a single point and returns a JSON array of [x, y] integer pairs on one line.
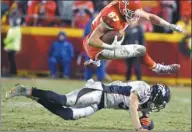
[[113, 16]]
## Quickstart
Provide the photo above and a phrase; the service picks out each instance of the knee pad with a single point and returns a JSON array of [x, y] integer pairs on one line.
[[84, 112], [141, 50]]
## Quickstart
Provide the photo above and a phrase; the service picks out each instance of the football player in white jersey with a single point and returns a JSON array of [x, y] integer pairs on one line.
[[133, 96]]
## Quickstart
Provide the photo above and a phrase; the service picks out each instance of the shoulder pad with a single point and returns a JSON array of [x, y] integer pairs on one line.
[[94, 85]]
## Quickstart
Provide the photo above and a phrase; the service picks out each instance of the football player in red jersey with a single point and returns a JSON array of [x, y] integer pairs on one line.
[[116, 16]]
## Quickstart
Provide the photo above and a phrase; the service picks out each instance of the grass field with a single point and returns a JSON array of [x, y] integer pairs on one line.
[[24, 114]]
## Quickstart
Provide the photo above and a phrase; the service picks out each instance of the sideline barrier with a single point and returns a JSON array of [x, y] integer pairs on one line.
[[33, 58]]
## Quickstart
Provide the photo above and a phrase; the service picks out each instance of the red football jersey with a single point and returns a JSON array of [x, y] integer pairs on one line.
[[111, 19]]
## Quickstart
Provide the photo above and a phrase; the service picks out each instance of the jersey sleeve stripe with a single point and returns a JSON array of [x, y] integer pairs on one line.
[[105, 25]]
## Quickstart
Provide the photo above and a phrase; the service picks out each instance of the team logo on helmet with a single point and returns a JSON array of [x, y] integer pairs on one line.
[[162, 89]]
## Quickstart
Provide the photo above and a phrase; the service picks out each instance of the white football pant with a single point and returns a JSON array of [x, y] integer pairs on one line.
[[123, 51]]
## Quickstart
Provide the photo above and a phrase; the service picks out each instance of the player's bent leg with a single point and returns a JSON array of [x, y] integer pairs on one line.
[[69, 113], [54, 102], [20, 90], [84, 112], [65, 113], [123, 51], [49, 95], [159, 68], [84, 97]]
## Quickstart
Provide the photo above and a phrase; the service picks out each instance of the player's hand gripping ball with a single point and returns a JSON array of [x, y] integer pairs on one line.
[[109, 37], [146, 122]]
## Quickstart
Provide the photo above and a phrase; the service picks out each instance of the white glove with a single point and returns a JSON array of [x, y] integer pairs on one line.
[[176, 28], [91, 62], [114, 44], [117, 43]]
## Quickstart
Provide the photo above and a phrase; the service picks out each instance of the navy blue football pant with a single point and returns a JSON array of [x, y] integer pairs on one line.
[[77, 104], [66, 64], [100, 72]]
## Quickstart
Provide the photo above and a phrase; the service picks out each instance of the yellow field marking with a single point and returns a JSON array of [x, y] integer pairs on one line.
[[157, 79], [167, 80], [45, 31]]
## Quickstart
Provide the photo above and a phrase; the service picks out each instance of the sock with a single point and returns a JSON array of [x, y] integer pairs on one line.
[[65, 113], [147, 60], [49, 95], [28, 92]]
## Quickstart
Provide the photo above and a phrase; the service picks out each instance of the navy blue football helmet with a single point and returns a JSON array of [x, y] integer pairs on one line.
[[160, 96]]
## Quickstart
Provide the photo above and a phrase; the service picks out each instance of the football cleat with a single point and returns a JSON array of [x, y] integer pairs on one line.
[[18, 90], [166, 69]]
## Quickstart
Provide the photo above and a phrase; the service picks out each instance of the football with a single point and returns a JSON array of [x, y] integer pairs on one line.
[[109, 37], [146, 123]]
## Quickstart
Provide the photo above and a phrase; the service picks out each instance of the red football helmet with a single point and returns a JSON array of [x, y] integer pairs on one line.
[[128, 7]]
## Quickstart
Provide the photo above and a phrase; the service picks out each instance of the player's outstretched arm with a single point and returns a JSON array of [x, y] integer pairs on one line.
[[157, 20], [133, 107]]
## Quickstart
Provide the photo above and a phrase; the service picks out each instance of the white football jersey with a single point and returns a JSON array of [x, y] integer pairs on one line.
[[116, 94]]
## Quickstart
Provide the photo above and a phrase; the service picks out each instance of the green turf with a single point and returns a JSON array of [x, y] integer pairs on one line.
[[24, 114]]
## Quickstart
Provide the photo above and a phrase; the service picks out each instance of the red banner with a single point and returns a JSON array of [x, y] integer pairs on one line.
[[34, 56]]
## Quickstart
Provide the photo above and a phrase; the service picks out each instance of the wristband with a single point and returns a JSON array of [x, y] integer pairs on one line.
[[107, 46]]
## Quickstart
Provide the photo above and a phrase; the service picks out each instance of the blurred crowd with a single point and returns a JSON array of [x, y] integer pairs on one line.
[[52, 12], [77, 13]]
